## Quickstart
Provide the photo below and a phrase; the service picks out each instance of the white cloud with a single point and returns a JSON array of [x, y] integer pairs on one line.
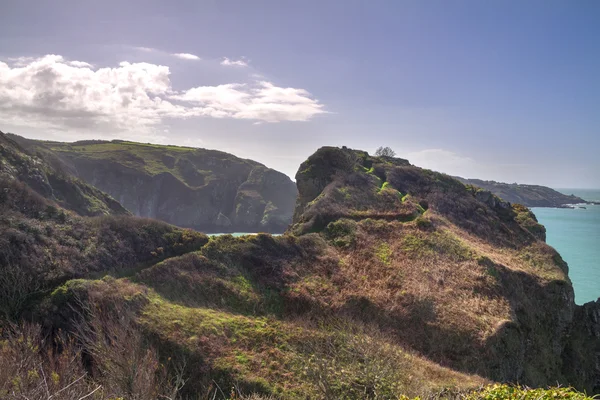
[[80, 64], [52, 92], [147, 49], [234, 63], [261, 101], [186, 56], [182, 56]]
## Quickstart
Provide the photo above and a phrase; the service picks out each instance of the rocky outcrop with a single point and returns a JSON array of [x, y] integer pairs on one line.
[[266, 200], [386, 264], [541, 338], [206, 190], [582, 354]]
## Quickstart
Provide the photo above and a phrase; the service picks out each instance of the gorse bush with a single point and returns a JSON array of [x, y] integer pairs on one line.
[[502, 392], [342, 232]]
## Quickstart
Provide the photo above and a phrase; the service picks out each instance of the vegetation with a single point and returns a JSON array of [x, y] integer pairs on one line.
[[234, 194], [528, 195], [494, 392], [385, 152], [48, 177], [393, 282]]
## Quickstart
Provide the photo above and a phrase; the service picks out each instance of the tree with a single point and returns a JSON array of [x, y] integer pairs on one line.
[[385, 152]]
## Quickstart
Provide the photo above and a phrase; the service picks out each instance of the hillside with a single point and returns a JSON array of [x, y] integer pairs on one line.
[[46, 176], [528, 195], [393, 280], [206, 190]]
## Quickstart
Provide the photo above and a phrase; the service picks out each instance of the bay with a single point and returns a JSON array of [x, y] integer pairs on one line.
[[575, 234]]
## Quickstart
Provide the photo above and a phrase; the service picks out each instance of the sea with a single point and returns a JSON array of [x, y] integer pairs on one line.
[[575, 233]]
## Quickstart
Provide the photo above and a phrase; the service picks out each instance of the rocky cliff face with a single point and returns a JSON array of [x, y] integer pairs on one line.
[[49, 179], [538, 336], [392, 280], [582, 354], [201, 189]]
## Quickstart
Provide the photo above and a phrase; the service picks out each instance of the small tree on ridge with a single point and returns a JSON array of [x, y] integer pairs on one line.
[[385, 152]]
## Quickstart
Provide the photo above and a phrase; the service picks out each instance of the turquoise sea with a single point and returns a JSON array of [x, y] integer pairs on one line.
[[575, 233]]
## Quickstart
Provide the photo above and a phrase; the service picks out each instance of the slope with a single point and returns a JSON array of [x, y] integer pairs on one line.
[[393, 280], [203, 189], [528, 195], [49, 179]]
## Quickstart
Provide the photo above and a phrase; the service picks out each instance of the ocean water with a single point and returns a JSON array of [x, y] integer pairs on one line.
[[576, 236]]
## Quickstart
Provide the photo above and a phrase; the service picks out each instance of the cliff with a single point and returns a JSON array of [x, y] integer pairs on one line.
[[206, 190], [528, 195], [392, 280], [51, 181], [477, 289]]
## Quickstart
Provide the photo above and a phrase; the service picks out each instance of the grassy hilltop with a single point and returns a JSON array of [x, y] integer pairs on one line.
[[206, 190], [392, 281]]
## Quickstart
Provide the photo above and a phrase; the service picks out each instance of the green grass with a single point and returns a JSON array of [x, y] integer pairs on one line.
[[436, 244], [143, 157], [500, 392], [342, 233], [384, 253]]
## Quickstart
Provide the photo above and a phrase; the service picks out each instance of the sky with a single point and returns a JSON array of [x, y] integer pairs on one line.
[[498, 90]]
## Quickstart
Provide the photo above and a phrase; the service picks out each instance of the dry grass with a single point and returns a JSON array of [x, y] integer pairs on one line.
[[374, 305]]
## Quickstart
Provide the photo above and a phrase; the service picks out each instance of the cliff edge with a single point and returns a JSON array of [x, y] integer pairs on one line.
[[206, 190], [392, 280]]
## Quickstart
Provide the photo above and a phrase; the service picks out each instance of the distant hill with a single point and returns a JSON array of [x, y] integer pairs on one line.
[[206, 190], [528, 195], [46, 175]]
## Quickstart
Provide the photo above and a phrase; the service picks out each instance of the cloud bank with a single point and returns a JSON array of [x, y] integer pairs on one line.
[[53, 92]]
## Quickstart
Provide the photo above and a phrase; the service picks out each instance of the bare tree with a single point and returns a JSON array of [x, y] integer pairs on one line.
[[28, 370], [123, 360], [385, 152], [16, 287]]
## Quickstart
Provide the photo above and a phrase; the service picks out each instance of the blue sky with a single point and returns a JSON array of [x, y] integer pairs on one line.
[[504, 90]]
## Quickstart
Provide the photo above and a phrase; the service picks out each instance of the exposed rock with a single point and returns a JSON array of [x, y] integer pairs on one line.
[[222, 221], [388, 268], [531, 345], [206, 190], [582, 355], [491, 200], [51, 181]]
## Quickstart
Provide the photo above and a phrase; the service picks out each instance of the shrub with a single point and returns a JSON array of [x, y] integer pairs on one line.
[[342, 233], [498, 392], [384, 253], [423, 223], [30, 370]]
